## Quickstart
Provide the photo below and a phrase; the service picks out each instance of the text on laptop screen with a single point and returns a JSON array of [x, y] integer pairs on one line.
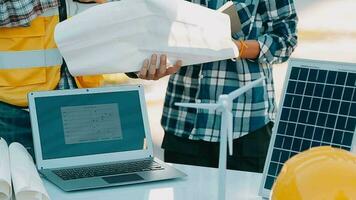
[[87, 124]]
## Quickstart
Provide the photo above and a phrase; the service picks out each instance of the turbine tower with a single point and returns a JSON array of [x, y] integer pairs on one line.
[[224, 106]]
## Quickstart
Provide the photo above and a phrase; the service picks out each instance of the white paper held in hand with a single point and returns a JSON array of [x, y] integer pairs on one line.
[[117, 37], [26, 180]]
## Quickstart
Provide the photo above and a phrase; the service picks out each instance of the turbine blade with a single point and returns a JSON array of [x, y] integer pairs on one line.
[[245, 88], [229, 131], [207, 106]]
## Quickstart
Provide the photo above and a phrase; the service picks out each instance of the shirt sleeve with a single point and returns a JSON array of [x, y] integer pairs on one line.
[[280, 38]]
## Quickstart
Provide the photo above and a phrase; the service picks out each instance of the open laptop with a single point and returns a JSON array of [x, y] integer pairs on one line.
[[92, 138]]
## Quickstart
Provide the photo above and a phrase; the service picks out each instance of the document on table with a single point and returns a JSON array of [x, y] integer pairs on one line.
[[117, 37]]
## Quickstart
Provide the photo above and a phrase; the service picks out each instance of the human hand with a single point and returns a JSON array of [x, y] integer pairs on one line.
[[149, 70]]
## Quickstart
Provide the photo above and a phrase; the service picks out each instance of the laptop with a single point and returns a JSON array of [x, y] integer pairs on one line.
[[93, 138]]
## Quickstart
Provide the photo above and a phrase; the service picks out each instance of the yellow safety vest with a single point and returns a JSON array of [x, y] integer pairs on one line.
[[30, 60]]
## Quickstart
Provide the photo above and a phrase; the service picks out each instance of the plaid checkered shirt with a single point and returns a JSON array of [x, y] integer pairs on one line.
[[21, 12], [273, 24]]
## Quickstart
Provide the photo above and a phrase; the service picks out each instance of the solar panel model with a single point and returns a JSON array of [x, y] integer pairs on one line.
[[317, 108]]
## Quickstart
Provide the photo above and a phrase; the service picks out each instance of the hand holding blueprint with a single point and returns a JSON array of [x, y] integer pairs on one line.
[[117, 37]]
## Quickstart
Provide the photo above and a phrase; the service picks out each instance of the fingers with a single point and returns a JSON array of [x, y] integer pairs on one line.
[[162, 66], [175, 68], [152, 68], [144, 69], [149, 69]]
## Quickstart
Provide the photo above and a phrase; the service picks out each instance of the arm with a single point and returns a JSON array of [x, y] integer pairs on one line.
[[251, 51], [280, 38]]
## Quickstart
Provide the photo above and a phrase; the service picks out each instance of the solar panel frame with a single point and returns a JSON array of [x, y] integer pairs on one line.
[[327, 93]]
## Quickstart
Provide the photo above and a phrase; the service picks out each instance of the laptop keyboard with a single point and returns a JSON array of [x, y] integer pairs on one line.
[[107, 169]]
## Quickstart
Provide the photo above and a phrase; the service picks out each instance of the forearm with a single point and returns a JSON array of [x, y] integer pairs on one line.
[[250, 51]]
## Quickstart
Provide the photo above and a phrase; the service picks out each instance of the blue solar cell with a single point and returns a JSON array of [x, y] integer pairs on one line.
[[297, 100], [325, 144], [299, 131], [351, 79], [303, 116], [290, 129], [348, 94], [315, 144], [273, 168], [282, 127], [341, 78], [336, 146], [288, 100], [354, 95], [276, 155], [294, 73], [305, 145], [341, 122], [294, 115], [321, 119], [285, 114], [334, 107], [353, 109], [338, 92], [291, 87], [351, 123], [325, 104], [278, 141], [284, 156], [292, 154], [287, 144], [322, 76], [309, 130], [318, 134], [345, 108], [318, 90], [312, 117], [347, 140], [306, 103], [303, 74], [300, 88], [330, 122], [269, 182], [309, 89], [328, 135], [280, 166], [313, 73], [328, 91], [346, 148], [315, 104], [331, 77], [297, 143], [337, 138]]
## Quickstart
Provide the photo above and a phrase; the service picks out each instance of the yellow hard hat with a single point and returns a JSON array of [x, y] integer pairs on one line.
[[321, 173]]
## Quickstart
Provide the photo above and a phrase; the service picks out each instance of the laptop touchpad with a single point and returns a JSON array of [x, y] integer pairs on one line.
[[122, 178]]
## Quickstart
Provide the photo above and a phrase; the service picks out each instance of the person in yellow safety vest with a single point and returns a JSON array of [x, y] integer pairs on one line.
[[30, 61], [321, 173]]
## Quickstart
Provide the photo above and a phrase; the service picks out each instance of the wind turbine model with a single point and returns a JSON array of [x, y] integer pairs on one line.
[[224, 105]]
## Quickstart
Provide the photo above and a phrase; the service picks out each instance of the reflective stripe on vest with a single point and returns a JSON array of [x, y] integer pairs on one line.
[[29, 59]]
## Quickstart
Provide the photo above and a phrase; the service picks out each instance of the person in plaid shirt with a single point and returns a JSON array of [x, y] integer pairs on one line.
[[268, 36]]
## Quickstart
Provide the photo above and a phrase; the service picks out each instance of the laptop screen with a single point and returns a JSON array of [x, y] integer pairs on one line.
[[87, 124]]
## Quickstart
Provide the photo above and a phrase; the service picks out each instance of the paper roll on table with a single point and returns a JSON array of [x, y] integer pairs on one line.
[[117, 37]]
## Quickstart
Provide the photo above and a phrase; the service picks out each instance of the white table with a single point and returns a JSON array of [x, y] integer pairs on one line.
[[200, 184]]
